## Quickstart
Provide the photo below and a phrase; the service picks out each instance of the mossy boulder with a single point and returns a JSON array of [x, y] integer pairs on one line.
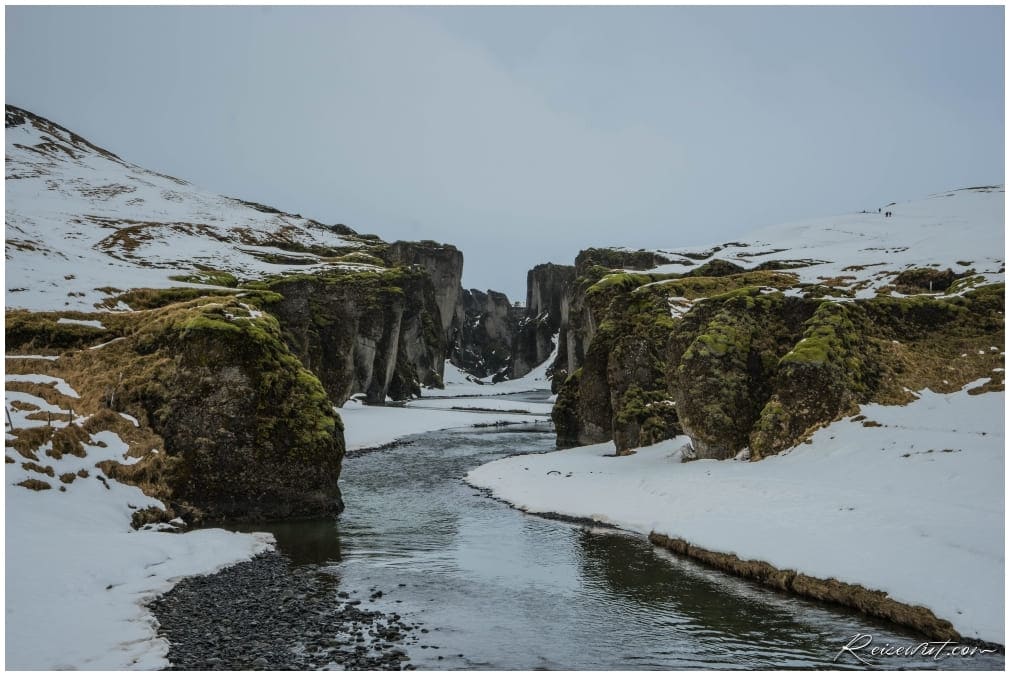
[[242, 429], [722, 359], [617, 258], [822, 378], [925, 280]]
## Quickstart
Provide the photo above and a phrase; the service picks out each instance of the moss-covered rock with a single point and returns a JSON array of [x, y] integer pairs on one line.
[[617, 258], [820, 379], [723, 357], [356, 330], [244, 430], [925, 280]]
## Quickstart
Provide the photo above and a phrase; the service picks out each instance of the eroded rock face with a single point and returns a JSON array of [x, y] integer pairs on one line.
[[346, 331], [254, 433], [229, 423], [534, 342], [577, 324], [486, 333], [373, 332], [444, 265]]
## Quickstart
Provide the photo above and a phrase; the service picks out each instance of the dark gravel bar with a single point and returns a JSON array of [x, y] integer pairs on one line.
[[267, 614]]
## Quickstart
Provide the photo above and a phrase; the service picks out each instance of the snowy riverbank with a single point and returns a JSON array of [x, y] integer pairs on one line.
[[439, 409], [77, 573], [913, 507]]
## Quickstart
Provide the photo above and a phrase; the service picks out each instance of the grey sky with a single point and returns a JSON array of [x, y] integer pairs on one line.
[[522, 135]]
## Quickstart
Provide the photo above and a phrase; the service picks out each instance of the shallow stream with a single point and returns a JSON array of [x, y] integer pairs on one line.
[[499, 589]]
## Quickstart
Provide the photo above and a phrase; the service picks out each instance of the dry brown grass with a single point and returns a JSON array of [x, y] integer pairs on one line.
[[47, 392], [148, 474], [35, 484], [49, 416], [840, 280], [937, 363], [23, 405], [35, 467]]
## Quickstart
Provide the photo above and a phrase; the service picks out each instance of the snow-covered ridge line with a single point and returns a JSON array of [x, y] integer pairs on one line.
[[863, 252], [84, 225]]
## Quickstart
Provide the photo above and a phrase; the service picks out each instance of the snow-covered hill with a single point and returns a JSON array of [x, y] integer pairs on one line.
[[83, 224], [861, 253]]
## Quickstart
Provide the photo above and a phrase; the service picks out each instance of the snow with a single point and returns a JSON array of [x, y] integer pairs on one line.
[[78, 574], [459, 383], [59, 383], [93, 323], [112, 224], [457, 403], [371, 426], [914, 507], [962, 229]]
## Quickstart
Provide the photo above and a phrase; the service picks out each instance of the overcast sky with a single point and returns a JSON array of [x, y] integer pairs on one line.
[[522, 135]]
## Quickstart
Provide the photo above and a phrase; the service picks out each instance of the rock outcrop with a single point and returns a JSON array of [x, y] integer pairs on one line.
[[485, 333], [377, 332], [534, 341], [577, 325], [230, 424], [492, 337], [724, 355], [444, 265]]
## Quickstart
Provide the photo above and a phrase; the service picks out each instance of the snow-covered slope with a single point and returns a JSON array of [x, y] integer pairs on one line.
[[77, 573], [81, 223], [863, 252]]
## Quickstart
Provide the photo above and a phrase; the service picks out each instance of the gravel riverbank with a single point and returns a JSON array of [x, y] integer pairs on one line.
[[267, 614]]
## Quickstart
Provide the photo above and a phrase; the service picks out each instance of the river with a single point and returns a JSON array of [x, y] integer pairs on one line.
[[499, 589]]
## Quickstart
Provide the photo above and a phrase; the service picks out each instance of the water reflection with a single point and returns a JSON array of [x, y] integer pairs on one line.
[[503, 590], [304, 542]]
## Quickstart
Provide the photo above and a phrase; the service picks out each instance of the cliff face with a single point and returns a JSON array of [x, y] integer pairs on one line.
[[376, 332], [444, 265], [576, 325], [485, 333], [492, 337], [534, 341], [753, 358]]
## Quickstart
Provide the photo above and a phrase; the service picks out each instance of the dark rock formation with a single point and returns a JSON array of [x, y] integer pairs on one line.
[[492, 337], [487, 329], [363, 331], [243, 430], [254, 433], [577, 325], [534, 342], [748, 366], [444, 265]]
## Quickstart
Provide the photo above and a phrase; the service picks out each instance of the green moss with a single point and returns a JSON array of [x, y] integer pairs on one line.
[[926, 280], [830, 335], [42, 330], [745, 283], [208, 276], [150, 299], [975, 285], [359, 258]]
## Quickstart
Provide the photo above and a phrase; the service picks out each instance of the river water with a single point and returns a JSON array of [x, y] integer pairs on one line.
[[499, 589]]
